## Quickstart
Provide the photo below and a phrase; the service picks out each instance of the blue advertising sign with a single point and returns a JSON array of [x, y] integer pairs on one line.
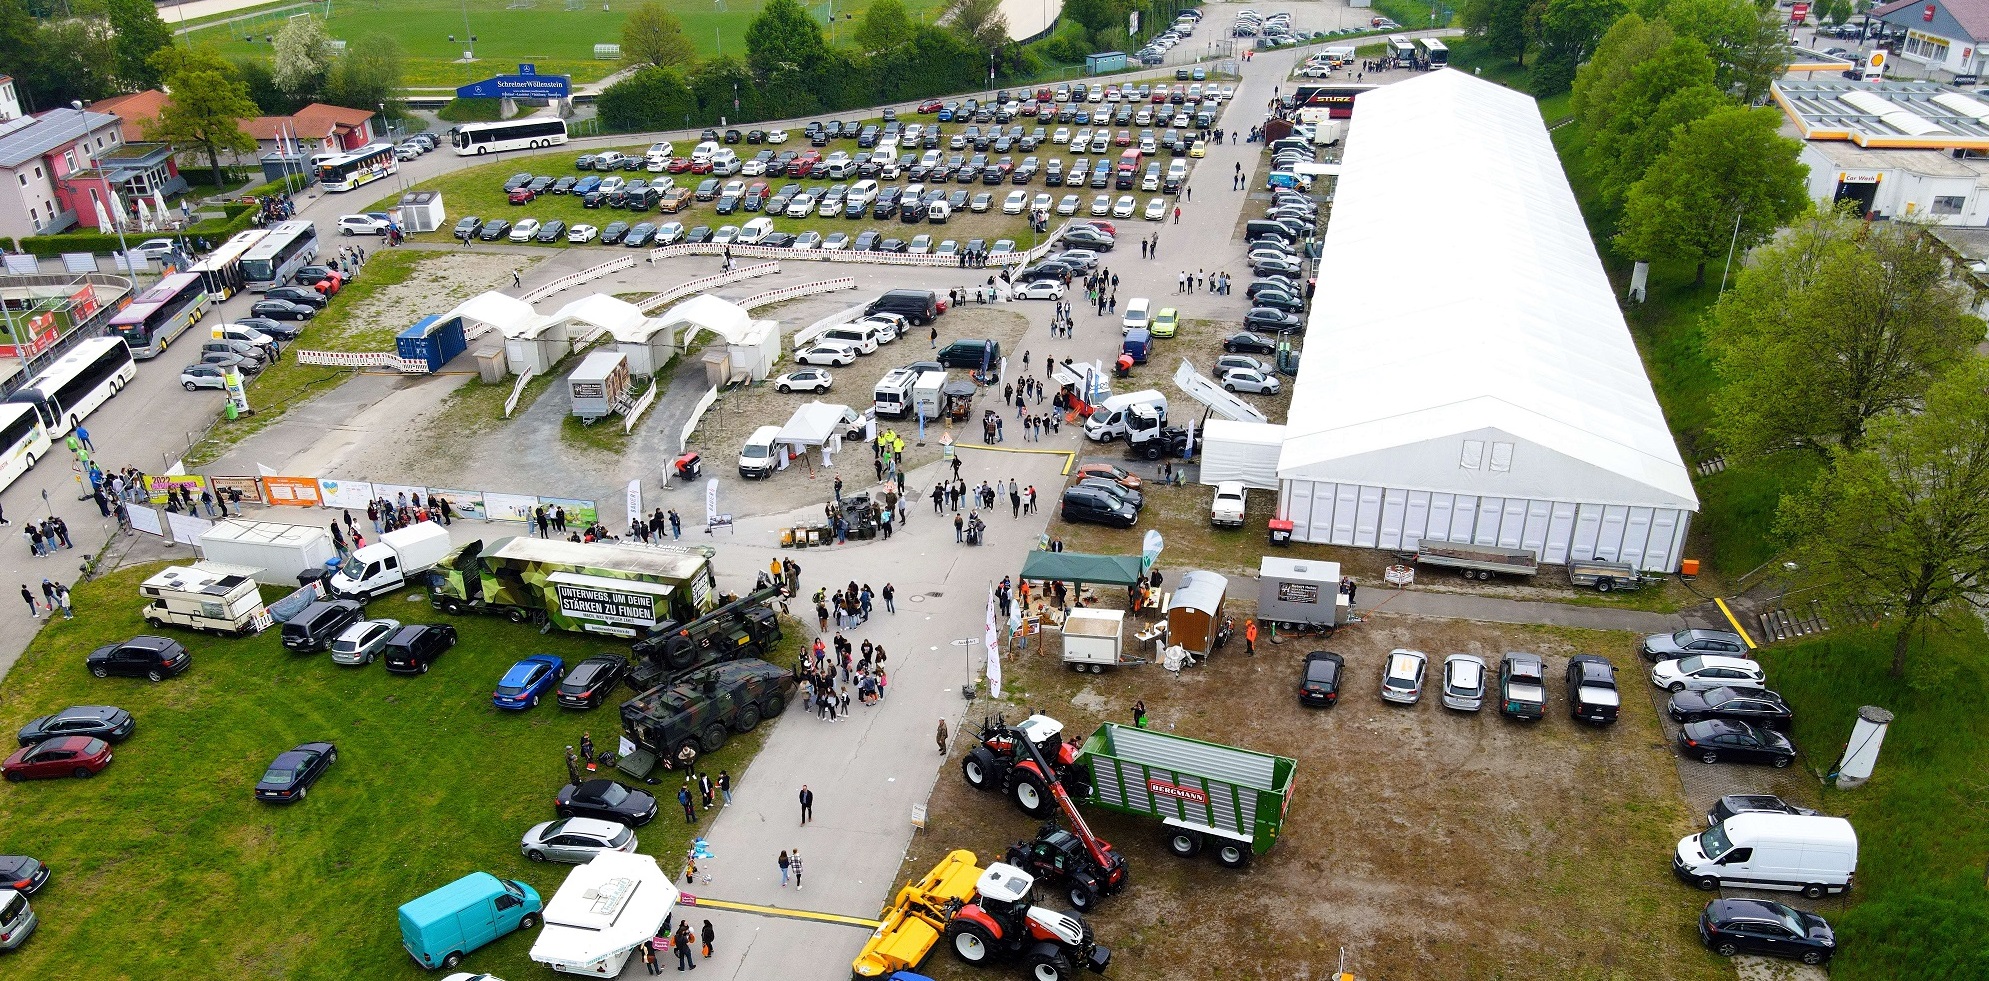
[[527, 84]]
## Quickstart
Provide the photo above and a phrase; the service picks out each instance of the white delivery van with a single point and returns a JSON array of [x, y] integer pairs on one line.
[[1138, 316], [893, 395], [864, 190], [725, 163], [862, 337], [703, 151], [926, 394], [1809, 853], [1108, 422], [755, 231], [213, 598], [759, 457], [608, 159], [389, 563], [602, 913]]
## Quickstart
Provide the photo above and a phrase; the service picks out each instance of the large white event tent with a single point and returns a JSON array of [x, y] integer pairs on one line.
[[1468, 376]]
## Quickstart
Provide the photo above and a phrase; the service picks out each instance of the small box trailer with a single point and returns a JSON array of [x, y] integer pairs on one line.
[[1604, 576], [1206, 794], [1479, 561], [1094, 639]]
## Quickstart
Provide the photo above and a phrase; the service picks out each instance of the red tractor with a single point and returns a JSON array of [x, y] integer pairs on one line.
[[1031, 764], [1001, 921]]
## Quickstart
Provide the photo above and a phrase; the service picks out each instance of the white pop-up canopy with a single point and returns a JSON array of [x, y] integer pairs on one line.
[[818, 424]]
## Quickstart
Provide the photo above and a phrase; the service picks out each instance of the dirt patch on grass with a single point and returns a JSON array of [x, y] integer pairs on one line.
[[1424, 842]]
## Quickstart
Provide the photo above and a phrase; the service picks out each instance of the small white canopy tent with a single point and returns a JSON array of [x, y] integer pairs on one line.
[[819, 424], [530, 340], [1245, 451], [600, 313]]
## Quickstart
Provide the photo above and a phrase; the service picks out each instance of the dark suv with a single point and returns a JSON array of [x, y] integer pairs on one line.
[[1095, 506], [414, 648], [918, 306], [314, 629], [971, 354], [145, 656]]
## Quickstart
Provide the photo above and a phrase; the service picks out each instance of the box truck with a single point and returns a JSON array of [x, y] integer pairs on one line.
[[603, 912], [397, 558], [278, 553], [593, 587], [207, 597]]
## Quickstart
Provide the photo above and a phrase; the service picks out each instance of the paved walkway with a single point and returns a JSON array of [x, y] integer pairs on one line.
[[1491, 609]]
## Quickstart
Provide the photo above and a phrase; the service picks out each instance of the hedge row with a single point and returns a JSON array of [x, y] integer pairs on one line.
[[238, 217]]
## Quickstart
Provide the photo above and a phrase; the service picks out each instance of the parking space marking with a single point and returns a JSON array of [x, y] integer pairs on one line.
[[789, 914], [1737, 628]]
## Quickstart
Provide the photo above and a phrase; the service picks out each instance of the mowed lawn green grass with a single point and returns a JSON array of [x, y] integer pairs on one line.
[[166, 867], [508, 32]]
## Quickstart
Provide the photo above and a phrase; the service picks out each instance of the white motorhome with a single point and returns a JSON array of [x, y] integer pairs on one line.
[[893, 396], [208, 597], [389, 563], [1108, 422], [926, 397], [602, 913], [1812, 854]]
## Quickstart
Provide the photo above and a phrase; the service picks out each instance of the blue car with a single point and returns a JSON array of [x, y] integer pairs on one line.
[[527, 681]]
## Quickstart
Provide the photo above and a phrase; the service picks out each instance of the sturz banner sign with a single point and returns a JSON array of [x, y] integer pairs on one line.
[[583, 603]]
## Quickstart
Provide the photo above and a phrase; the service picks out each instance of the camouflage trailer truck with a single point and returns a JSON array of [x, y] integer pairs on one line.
[[598, 587], [698, 712]]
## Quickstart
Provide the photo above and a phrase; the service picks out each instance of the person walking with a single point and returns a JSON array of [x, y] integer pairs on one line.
[[34, 608], [681, 943], [891, 593], [1250, 636], [649, 960], [807, 804], [1139, 713], [942, 736], [794, 866], [783, 862], [707, 935]]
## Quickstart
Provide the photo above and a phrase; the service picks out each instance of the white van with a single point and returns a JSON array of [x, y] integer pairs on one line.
[[753, 232], [725, 163], [608, 159], [758, 458], [1813, 854], [703, 151], [1138, 316], [938, 213], [1177, 171], [862, 337], [864, 190], [17, 919], [893, 395], [1109, 420]]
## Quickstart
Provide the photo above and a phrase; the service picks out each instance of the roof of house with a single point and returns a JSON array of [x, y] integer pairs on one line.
[[1971, 15], [49, 131], [136, 109], [313, 122]]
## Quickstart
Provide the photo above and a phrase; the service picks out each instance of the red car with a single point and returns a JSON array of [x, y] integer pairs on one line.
[[522, 195], [931, 105], [64, 756], [1103, 226], [700, 166], [677, 165]]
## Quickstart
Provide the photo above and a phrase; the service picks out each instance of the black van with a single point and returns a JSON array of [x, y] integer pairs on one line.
[[971, 355], [918, 306], [413, 648], [319, 624]]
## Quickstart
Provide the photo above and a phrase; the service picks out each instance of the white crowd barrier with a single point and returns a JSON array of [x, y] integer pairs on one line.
[[641, 405], [363, 359], [804, 289], [585, 275], [827, 255], [656, 301], [518, 390]]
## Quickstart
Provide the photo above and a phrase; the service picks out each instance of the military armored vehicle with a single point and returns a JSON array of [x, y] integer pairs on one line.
[[700, 711]]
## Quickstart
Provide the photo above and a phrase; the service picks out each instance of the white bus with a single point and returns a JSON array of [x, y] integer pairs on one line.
[[78, 382], [519, 134], [362, 166], [288, 247], [23, 440], [1401, 49], [221, 270], [161, 313], [1436, 54]]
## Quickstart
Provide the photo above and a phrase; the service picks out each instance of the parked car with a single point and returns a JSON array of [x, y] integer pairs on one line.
[[300, 295], [1319, 683], [197, 376], [551, 231], [524, 229], [1402, 681], [144, 656], [582, 233], [528, 680], [1244, 342], [66, 756], [592, 681], [1685, 643], [361, 225], [1733, 804], [1243, 380], [1592, 693], [606, 800], [363, 641], [1723, 739], [496, 228], [316, 626], [612, 233], [1464, 677], [104, 722], [1758, 926], [575, 840], [1706, 672], [804, 380], [414, 648], [1756, 705], [291, 775], [23, 874], [1095, 505], [827, 352]]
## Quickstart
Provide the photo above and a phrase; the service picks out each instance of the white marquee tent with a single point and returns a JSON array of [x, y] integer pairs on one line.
[[819, 424], [1496, 398]]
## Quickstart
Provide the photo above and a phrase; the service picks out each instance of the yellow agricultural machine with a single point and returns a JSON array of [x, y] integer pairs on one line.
[[917, 918]]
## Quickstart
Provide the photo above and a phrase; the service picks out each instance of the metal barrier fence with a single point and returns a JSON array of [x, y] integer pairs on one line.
[[584, 275], [827, 255], [651, 303], [364, 359], [804, 289]]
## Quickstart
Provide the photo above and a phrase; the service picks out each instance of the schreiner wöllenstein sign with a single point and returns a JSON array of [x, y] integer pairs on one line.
[[527, 84], [584, 603]]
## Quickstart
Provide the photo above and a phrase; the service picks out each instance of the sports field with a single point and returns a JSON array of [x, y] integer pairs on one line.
[[557, 35]]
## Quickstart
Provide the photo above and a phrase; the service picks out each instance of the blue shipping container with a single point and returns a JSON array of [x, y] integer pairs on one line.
[[1104, 61], [432, 340]]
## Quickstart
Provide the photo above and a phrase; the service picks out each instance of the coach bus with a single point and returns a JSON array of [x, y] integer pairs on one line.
[[288, 247], [1402, 50], [362, 166], [161, 313], [530, 133], [23, 440], [1435, 53], [72, 388], [221, 270]]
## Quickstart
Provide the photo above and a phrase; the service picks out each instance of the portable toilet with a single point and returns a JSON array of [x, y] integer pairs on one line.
[[600, 385], [432, 340], [421, 211]]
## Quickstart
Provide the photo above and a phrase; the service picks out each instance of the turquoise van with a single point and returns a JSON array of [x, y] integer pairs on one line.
[[439, 928]]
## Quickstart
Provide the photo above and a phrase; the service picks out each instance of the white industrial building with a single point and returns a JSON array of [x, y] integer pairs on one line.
[[1895, 149], [1468, 376]]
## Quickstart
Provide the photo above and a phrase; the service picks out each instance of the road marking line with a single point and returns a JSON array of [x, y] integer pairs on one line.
[[1070, 456], [790, 914], [1737, 628]]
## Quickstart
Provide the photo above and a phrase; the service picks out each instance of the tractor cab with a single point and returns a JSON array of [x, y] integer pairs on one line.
[[1047, 734], [1005, 893]]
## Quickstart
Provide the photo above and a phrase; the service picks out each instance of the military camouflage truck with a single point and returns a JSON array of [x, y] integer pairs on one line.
[[595, 587], [701, 710], [744, 627]]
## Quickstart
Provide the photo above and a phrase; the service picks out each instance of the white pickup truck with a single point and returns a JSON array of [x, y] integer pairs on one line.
[[1227, 511]]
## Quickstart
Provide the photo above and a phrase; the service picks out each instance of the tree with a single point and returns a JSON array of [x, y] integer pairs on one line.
[[981, 22], [651, 98], [783, 34], [1569, 31], [78, 62], [1641, 85], [1834, 324], [367, 75], [1504, 24], [205, 105], [304, 57], [1096, 15], [1727, 181], [715, 81], [260, 79], [884, 26], [1902, 524], [652, 35], [139, 33], [1748, 43]]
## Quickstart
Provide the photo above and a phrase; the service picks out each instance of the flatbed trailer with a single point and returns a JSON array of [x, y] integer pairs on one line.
[[1478, 561]]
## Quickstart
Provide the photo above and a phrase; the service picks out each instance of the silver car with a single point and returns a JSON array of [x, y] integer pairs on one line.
[[575, 840], [363, 641], [1464, 682]]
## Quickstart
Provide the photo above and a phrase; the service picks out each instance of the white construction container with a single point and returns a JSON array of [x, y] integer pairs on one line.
[[278, 553]]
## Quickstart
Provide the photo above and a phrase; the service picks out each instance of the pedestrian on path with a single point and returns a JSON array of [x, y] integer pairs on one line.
[[681, 943], [890, 595], [782, 861], [708, 934], [34, 609], [942, 736], [794, 865], [725, 787], [807, 804], [684, 798]]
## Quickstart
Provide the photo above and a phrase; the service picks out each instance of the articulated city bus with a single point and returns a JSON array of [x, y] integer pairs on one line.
[[288, 247], [161, 313], [519, 134], [362, 166]]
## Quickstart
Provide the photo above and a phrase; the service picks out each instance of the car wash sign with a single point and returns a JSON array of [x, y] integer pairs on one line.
[[527, 84]]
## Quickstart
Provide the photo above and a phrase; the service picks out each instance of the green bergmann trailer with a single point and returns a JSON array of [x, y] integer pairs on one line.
[[1206, 794]]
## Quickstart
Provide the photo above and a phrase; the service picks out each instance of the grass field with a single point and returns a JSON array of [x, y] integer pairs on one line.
[[165, 867], [546, 33]]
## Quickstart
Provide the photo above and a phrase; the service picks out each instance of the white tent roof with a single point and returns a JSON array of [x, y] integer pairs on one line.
[[512, 317], [813, 424], [1503, 367], [722, 317], [1245, 451], [603, 311]]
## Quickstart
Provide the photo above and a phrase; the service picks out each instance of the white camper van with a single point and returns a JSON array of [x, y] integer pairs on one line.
[[1812, 854], [208, 597], [893, 396]]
